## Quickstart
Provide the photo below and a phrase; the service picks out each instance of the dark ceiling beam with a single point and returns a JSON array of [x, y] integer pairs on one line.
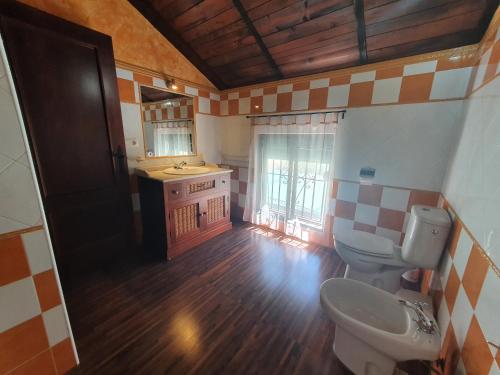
[[258, 38], [489, 11], [359, 10], [171, 35]]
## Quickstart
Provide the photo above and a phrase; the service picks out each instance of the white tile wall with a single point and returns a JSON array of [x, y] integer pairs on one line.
[[450, 83], [386, 90], [319, 83], [348, 191], [284, 88], [244, 105], [363, 77], [408, 145], [420, 68], [269, 103], [132, 129], [366, 214], [214, 96], [338, 96], [256, 92], [224, 107], [55, 325], [18, 198], [300, 100], [464, 246], [158, 82], [472, 182], [461, 316], [18, 303], [37, 250], [395, 199], [203, 104], [342, 225], [487, 304], [191, 91], [125, 74]]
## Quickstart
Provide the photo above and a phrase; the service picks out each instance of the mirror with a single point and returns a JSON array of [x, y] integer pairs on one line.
[[168, 123]]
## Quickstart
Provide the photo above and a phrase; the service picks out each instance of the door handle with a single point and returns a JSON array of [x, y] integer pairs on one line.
[[119, 155]]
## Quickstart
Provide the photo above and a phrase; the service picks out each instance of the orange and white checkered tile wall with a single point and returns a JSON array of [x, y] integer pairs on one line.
[[378, 209], [466, 296], [414, 80], [179, 109], [466, 286], [34, 336], [383, 210], [204, 101], [417, 82]]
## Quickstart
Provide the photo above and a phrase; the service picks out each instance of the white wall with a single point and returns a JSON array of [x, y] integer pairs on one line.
[[408, 145], [236, 136], [19, 208], [208, 137], [472, 184]]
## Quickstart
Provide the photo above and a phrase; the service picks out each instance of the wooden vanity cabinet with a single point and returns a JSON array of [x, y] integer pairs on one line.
[[178, 215]]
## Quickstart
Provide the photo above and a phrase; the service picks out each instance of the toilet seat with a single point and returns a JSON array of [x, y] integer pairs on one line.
[[366, 243], [368, 253], [371, 258]]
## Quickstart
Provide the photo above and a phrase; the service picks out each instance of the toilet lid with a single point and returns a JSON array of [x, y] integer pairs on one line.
[[366, 242]]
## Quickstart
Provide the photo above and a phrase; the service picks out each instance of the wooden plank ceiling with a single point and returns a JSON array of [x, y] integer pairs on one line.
[[241, 42]]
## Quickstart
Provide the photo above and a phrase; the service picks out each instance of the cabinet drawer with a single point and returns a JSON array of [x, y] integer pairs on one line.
[[225, 182], [201, 186], [174, 191]]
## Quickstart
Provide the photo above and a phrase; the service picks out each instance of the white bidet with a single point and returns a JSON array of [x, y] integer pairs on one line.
[[376, 329]]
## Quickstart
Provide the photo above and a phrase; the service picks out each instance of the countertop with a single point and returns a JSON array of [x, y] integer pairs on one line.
[[156, 173]]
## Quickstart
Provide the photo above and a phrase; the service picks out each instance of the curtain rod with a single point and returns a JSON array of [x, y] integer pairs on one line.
[[299, 113]]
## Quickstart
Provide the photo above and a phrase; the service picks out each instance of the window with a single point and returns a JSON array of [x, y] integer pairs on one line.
[[176, 141], [295, 176]]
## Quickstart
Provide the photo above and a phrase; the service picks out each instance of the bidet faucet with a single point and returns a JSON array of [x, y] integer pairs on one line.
[[424, 324]]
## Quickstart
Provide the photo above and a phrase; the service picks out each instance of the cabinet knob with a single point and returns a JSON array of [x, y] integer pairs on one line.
[[223, 181], [176, 192]]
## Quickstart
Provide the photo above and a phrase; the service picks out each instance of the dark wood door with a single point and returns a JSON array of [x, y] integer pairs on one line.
[[66, 82]]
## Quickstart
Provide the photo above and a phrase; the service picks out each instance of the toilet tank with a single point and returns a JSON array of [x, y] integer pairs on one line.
[[425, 236]]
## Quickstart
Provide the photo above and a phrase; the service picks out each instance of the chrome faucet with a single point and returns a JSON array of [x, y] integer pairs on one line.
[[424, 324], [180, 165]]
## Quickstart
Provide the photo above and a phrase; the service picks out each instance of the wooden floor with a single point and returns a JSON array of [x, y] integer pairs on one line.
[[245, 302]]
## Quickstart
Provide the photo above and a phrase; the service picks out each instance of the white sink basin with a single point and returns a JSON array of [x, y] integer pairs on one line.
[[187, 170]]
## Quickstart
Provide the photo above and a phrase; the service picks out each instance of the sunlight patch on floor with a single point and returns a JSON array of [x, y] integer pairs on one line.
[[281, 237]]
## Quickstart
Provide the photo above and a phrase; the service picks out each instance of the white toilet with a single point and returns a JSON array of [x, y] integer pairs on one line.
[[377, 261], [376, 329]]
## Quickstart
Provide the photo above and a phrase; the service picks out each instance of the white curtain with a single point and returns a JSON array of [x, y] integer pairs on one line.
[[170, 140], [290, 171]]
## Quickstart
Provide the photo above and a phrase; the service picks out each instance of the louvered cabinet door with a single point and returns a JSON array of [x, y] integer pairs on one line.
[[216, 210], [185, 220]]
